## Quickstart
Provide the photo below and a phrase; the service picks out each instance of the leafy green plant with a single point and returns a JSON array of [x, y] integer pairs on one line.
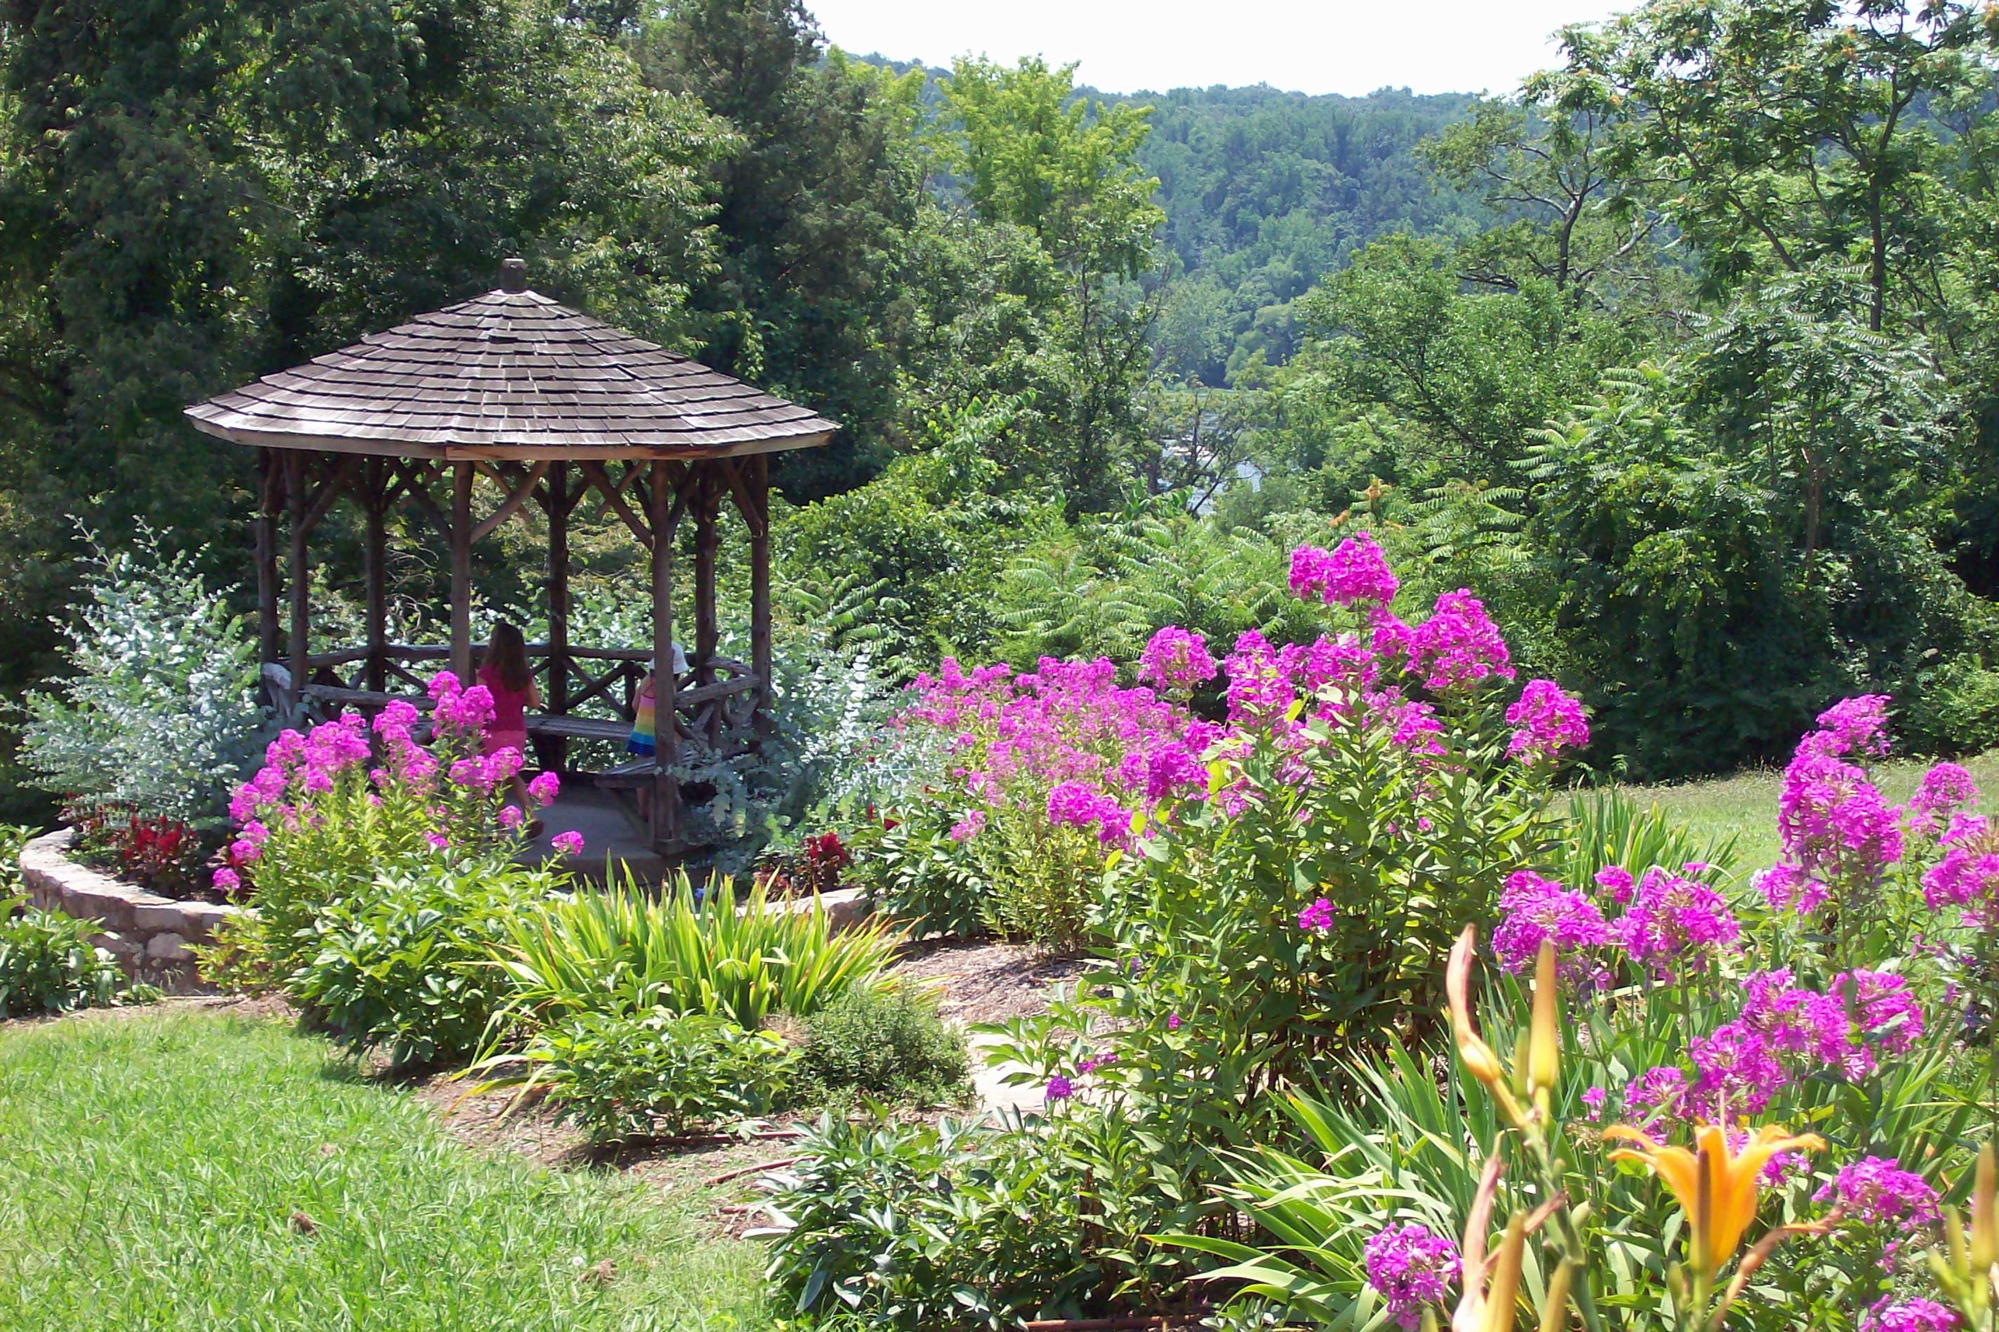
[[157, 710], [624, 951], [406, 966], [914, 872], [889, 1044], [1608, 828], [622, 1075], [48, 963], [921, 1226]]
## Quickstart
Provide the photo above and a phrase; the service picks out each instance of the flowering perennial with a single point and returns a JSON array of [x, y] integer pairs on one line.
[[1411, 1268]]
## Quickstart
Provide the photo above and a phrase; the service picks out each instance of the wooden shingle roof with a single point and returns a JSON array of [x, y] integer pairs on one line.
[[509, 374]]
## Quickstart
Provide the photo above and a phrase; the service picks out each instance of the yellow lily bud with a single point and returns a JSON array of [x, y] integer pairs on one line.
[[1504, 1292], [1544, 1051], [1984, 1215], [1555, 1309], [1478, 1057]]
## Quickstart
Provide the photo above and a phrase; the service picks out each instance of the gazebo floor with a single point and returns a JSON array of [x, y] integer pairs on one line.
[[607, 830]]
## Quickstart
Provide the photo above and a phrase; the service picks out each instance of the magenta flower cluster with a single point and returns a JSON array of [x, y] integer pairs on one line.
[[1357, 573], [1068, 743], [1839, 834], [1892, 1315], [1546, 721], [386, 758], [1783, 1033], [1176, 660], [1672, 923], [1411, 1268], [1876, 1191]]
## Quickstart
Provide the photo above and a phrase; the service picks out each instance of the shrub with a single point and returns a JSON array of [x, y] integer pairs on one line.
[[914, 871], [336, 808], [622, 951], [158, 710], [405, 966], [640, 1075], [923, 1226], [48, 963], [888, 1044]]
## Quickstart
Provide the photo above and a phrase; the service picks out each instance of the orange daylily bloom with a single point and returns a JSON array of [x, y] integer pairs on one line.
[[1717, 1189]]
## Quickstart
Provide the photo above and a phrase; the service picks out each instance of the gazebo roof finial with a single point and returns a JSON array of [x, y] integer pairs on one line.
[[513, 274]]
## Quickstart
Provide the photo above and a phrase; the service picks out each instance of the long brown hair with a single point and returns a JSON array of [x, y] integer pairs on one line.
[[507, 657]]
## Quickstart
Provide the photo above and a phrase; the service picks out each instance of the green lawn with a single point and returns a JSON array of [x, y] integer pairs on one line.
[[152, 1164], [1746, 804]]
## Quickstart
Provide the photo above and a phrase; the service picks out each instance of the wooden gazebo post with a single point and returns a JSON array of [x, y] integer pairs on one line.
[[515, 387]]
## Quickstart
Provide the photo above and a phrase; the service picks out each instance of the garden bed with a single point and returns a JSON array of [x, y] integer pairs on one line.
[[150, 936]]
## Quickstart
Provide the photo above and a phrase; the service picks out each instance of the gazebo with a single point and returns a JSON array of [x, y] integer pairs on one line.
[[551, 406]]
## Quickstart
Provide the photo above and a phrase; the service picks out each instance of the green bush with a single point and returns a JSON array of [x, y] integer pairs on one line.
[[654, 1074], [886, 1044], [49, 965], [915, 873], [625, 952], [158, 710], [406, 965]]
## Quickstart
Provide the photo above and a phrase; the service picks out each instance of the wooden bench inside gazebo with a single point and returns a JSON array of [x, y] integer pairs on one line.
[[552, 408]]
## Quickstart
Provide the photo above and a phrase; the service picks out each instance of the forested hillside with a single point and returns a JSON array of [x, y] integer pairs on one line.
[[1699, 391]]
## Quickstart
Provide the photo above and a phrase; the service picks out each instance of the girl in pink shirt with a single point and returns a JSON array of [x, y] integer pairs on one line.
[[504, 671]]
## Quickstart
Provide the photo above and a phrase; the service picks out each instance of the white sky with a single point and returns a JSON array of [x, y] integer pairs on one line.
[[1314, 46]]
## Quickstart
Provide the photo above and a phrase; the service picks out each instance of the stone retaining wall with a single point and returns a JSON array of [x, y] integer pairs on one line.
[[147, 933]]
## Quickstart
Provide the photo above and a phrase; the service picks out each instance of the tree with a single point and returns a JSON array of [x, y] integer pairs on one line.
[[1790, 132], [816, 206], [1065, 171]]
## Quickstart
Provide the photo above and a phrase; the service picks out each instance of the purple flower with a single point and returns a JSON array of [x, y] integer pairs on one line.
[[1618, 882], [1889, 1315], [1548, 721], [1886, 1017], [544, 788], [1458, 645], [1533, 909], [1060, 1088], [1852, 726], [1410, 1267], [1260, 687], [1172, 1022], [568, 843], [1316, 918], [511, 816], [1660, 1090], [1877, 1191], [227, 880], [1356, 572], [438, 841], [965, 829], [1674, 921], [1176, 659], [1593, 1102], [1078, 805], [1946, 788], [243, 850]]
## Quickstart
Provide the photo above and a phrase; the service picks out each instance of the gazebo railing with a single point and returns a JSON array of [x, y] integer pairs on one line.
[[714, 700]]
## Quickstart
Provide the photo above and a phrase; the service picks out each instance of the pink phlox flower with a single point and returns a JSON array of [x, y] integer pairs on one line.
[[438, 841], [1547, 721], [1659, 1092], [1176, 659], [1885, 1015], [1316, 918], [1260, 688], [1876, 1191], [968, 827], [1891, 1315], [1676, 921], [1856, 725], [1737, 1073], [544, 788], [226, 880], [568, 843], [1411, 1268], [1617, 881], [1533, 909], [511, 817], [1458, 645], [1946, 788], [1354, 573]]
